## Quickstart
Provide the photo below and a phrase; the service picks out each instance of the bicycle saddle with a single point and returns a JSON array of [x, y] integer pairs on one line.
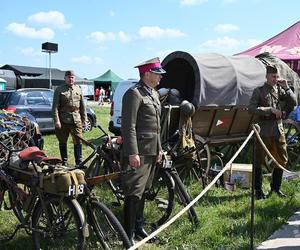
[[31, 153]]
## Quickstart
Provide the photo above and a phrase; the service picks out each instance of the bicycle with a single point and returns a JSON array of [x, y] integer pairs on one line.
[[54, 221], [106, 227], [159, 198]]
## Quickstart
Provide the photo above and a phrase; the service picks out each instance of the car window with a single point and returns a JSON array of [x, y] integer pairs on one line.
[[13, 99], [35, 98], [49, 96], [3, 98]]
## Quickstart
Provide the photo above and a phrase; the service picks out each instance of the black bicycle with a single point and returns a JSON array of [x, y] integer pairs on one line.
[[159, 198], [54, 221], [108, 233]]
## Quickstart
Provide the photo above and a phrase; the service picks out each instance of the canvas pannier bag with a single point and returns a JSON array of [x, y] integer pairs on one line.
[[64, 182]]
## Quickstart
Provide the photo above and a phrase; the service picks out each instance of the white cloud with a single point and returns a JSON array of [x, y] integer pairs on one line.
[[124, 37], [99, 36], [87, 60], [192, 2], [31, 52], [112, 13], [20, 29], [155, 32], [54, 19], [225, 28], [221, 43]]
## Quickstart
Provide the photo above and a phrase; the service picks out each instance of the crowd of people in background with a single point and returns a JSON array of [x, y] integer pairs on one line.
[[102, 95]]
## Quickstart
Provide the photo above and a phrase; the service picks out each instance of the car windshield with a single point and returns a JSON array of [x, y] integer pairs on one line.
[[9, 99]]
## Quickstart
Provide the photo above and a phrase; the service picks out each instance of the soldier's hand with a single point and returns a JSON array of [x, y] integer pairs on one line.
[[283, 83], [134, 161], [277, 113], [57, 125], [159, 157]]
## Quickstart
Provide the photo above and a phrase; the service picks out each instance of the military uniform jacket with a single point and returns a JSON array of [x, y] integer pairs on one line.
[[141, 121], [263, 100], [68, 104]]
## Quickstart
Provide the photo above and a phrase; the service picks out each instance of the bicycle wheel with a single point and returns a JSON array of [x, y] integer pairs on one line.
[[184, 197], [59, 224], [16, 205], [106, 226], [159, 200]]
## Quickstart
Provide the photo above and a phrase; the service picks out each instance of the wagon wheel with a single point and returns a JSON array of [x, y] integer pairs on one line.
[[194, 172], [292, 135], [229, 150]]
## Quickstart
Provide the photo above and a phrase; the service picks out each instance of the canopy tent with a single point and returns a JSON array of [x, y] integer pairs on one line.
[[2, 84], [108, 77], [285, 45]]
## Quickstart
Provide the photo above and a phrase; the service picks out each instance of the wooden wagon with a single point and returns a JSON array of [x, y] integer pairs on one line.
[[220, 88]]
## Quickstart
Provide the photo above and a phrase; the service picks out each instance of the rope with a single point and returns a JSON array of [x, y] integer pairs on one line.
[[267, 151], [204, 191], [255, 129]]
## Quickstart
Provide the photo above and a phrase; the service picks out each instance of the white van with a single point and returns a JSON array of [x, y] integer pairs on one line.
[[116, 105]]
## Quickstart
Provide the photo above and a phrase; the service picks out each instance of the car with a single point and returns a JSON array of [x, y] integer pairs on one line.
[[114, 125], [37, 102]]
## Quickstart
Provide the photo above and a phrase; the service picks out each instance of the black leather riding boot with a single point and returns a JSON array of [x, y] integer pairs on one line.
[[78, 153], [63, 153], [276, 179], [139, 224], [130, 209]]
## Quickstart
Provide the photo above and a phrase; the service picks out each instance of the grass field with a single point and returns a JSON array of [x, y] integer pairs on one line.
[[224, 216]]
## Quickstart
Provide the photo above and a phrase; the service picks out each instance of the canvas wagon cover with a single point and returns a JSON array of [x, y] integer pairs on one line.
[[213, 79]]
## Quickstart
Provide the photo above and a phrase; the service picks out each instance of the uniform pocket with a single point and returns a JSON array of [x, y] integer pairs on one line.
[[145, 143]]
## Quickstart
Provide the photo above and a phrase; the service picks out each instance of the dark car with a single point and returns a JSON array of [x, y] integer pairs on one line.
[[37, 102]]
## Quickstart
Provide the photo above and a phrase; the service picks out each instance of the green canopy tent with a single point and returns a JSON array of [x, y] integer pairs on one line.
[[108, 78]]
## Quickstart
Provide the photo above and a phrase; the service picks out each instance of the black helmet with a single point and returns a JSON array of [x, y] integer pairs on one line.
[[187, 108]]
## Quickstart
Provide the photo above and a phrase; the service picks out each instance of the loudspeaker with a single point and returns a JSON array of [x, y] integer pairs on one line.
[[49, 47]]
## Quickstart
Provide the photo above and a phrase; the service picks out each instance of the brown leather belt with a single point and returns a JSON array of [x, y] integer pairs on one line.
[[148, 130], [70, 109]]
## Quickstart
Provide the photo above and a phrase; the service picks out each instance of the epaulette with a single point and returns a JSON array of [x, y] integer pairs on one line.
[[136, 86]]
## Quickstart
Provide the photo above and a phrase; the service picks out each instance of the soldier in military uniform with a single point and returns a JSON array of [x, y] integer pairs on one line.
[[142, 147], [69, 116], [269, 103]]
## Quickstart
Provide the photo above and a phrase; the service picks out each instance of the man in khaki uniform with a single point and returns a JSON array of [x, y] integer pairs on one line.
[[69, 116], [269, 103], [141, 147]]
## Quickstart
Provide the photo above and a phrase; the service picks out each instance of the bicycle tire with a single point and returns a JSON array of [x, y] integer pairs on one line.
[[159, 200], [67, 226], [184, 197], [17, 206], [106, 226]]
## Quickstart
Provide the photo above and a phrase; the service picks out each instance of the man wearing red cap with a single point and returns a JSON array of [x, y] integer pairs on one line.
[[142, 146]]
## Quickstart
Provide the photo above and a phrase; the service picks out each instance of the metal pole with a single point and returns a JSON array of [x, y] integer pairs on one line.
[[252, 193], [50, 82]]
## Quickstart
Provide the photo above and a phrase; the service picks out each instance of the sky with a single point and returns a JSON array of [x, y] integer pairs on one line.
[[94, 36]]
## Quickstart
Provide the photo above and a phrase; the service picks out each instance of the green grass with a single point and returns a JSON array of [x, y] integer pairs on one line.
[[224, 216]]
